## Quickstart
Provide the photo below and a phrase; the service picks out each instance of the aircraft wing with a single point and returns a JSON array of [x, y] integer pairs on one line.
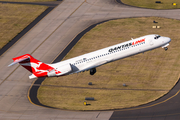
[[97, 64]]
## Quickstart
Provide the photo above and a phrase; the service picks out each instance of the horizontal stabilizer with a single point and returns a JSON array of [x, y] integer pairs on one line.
[[19, 59], [32, 76]]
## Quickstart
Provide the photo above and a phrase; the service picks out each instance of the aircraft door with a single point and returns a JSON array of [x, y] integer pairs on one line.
[[151, 42]]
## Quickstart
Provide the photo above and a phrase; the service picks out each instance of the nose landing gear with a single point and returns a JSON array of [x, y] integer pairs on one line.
[[165, 48]]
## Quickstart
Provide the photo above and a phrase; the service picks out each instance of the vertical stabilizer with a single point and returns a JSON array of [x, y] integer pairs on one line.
[[36, 67]]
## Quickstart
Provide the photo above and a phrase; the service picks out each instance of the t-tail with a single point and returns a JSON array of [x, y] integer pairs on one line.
[[36, 67]]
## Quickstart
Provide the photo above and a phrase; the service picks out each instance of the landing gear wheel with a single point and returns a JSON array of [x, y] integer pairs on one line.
[[165, 48], [92, 71]]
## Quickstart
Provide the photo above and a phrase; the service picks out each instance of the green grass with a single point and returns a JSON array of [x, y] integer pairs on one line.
[[155, 70], [14, 18], [165, 4]]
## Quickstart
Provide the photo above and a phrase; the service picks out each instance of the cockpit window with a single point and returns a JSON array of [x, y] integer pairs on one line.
[[157, 36]]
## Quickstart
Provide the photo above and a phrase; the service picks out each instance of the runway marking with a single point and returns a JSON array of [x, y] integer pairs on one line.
[[29, 92], [75, 36], [58, 27], [9, 75], [98, 114], [92, 4]]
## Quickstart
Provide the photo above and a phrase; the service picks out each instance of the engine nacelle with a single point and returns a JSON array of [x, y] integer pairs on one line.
[[62, 70]]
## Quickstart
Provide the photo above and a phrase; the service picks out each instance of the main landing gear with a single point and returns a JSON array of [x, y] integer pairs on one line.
[[92, 71], [165, 48]]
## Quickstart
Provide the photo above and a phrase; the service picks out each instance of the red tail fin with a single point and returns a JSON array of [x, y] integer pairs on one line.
[[36, 67]]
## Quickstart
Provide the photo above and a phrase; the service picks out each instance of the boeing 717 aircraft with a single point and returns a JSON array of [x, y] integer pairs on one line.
[[91, 60]]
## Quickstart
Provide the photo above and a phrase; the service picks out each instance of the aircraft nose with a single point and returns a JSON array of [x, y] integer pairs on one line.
[[167, 39]]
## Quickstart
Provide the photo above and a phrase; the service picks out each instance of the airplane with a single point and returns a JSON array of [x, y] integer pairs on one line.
[[92, 60]]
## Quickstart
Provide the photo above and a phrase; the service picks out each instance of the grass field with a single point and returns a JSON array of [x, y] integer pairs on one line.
[[165, 4], [14, 18], [148, 76]]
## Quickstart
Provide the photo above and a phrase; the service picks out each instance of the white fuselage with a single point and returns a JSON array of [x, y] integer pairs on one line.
[[112, 53]]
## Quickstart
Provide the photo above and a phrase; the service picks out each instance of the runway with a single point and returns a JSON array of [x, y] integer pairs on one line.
[[47, 40], [48, 3]]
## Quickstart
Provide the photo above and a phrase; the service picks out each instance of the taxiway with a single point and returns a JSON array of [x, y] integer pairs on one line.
[[47, 40]]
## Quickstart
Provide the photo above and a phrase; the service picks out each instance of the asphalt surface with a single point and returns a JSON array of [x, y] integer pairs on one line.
[[25, 30], [48, 39], [49, 4], [164, 108]]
